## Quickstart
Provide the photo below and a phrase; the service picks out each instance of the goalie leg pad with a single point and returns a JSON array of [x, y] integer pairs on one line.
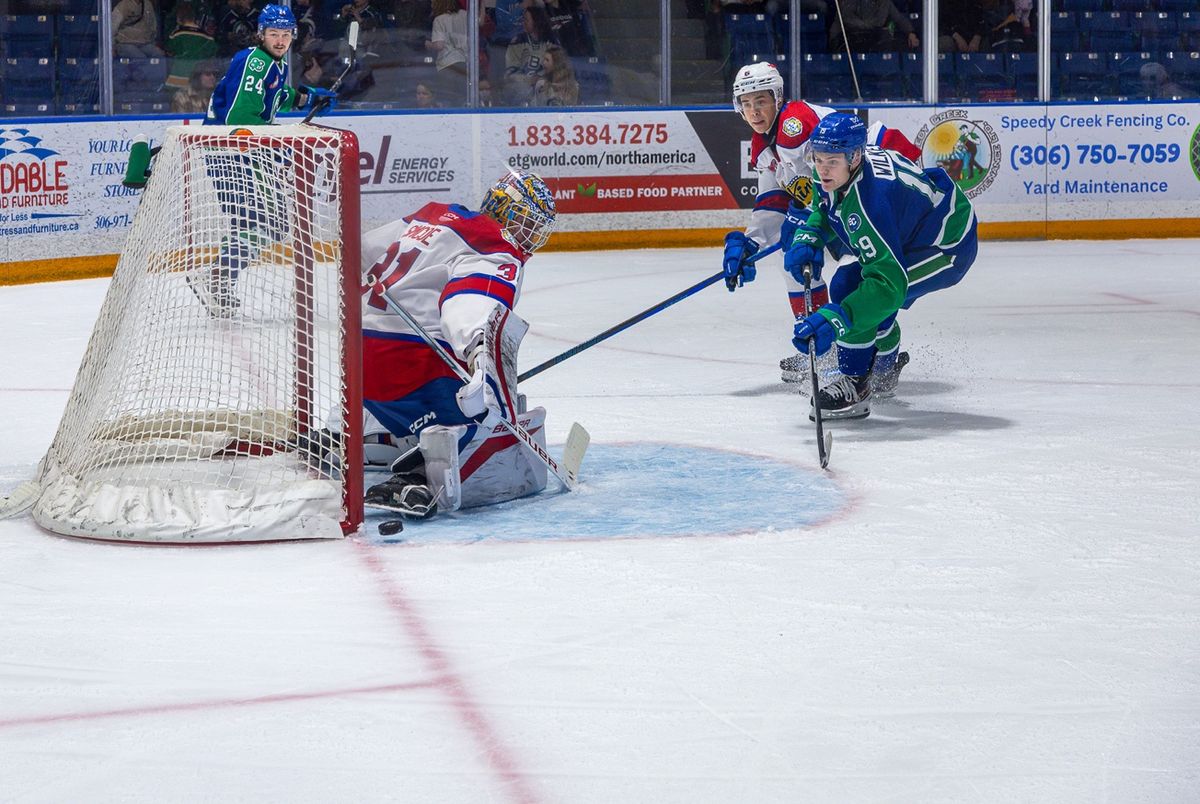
[[495, 467]]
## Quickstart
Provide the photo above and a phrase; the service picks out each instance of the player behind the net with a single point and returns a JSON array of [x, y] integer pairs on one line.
[[781, 129], [911, 231], [253, 195], [458, 273]]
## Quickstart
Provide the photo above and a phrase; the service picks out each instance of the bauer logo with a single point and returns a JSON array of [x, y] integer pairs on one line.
[[968, 150], [31, 175], [792, 127]]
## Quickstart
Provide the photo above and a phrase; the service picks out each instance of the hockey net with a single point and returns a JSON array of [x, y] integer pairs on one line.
[[219, 398]]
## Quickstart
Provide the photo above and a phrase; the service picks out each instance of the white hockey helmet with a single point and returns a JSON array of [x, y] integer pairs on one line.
[[761, 76]]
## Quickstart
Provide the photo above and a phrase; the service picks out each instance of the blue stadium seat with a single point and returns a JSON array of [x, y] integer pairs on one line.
[[813, 34], [1022, 71], [1093, 21], [24, 109], [1185, 69], [79, 36], [1155, 21], [138, 76], [1107, 41], [1133, 5], [948, 86], [1083, 74], [1127, 67], [748, 34], [1176, 6], [914, 79], [78, 80], [1078, 5], [1155, 41], [72, 109], [825, 77], [595, 84], [1064, 34], [981, 74], [27, 35], [879, 76], [28, 80], [1189, 30], [142, 107]]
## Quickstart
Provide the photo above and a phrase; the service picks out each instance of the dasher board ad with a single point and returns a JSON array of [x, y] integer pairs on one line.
[[1062, 163]]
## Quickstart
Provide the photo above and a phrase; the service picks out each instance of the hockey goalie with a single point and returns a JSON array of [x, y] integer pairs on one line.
[[458, 274]]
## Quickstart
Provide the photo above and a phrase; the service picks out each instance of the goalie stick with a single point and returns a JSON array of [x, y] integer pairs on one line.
[[642, 316], [824, 440], [577, 439], [352, 41]]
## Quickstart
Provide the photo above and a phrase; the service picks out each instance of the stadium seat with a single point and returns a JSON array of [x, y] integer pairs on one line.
[[595, 84], [981, 75], [1022, 70], [813, 34], [880, 76], [1159, 40], [27, 35], [748, 34], [1185, 69], [1189, 30], [1107, 41], [1133, 5], [1078, 5], [28, 80], [26, 109], [1064, 35], [825, 77], [78, 36], [1176, 6], [137, 77], [1127, 67], [78, 80], [1084, 75]]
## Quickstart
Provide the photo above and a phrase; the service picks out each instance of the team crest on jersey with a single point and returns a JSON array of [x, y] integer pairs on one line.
[[853, 222], [257, 64], [792, 126]]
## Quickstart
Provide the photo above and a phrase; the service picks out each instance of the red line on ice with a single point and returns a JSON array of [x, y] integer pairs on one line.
[[194, 706], [498, 755]]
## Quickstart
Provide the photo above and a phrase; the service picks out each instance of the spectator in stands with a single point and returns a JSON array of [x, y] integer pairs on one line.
[[566, 23], [1157, 83], [237, 27], [869, 28], [368, 17], [962, 26], [425, 97], [194, 99], [557, 86], [523, 58], [505, 16], [135, 29], [307, 23], [448, 40], [485, 92], [187, 45]]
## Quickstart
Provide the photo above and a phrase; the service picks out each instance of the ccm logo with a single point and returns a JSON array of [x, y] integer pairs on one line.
[[421, 422]]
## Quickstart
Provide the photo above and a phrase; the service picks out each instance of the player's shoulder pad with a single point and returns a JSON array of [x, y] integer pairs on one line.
[[480, 232], [256, 59], [795, 124]]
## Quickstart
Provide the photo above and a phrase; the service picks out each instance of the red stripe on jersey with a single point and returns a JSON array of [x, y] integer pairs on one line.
[[894, 140], [393, 368], [795, 124], [481, 232], [482, 284], [776, 200]]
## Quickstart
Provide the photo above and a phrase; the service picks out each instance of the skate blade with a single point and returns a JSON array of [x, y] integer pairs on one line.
[[407, 513]]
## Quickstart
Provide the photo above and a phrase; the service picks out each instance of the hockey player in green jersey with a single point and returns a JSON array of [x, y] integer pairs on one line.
[[913, 231], [255, 87]]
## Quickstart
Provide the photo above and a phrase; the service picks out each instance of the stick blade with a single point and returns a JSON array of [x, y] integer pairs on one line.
[[576, 447]]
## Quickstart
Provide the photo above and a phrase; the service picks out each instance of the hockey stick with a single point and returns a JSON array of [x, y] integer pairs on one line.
[[352, 41], [824, 440], [577, 439], [642, 316]]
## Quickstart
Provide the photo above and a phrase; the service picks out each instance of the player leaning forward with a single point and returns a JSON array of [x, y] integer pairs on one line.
[[458, 273], [911, 231], [781, 128]]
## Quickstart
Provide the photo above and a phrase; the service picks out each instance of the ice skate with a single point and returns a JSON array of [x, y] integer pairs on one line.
[[845, 398], [406, 494], [885, 375]]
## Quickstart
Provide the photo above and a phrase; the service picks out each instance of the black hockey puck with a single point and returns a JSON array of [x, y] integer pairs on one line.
[[390, 527]]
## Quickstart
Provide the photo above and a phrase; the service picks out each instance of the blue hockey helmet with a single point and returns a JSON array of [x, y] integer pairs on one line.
[[839, 133], [522, 204], [275, 16]]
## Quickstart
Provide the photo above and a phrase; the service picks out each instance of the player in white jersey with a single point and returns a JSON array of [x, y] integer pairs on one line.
[[777, 152], [458, 273]]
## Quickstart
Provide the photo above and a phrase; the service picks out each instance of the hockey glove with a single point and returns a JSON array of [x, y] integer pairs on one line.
[[822, 327], [472, 398], [795, 217], [737, 248], [807, 248], [315, 95]]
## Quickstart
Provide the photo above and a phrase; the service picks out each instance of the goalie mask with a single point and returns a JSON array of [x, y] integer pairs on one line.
[[524, 206]]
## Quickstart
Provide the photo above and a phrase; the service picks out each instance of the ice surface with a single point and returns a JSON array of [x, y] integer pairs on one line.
[[993, 596]]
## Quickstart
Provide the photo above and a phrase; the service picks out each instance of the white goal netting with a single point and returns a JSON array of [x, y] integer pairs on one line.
[[218, 393]]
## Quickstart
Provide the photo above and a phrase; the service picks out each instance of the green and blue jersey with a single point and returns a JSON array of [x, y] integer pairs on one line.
[[255, 88]]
